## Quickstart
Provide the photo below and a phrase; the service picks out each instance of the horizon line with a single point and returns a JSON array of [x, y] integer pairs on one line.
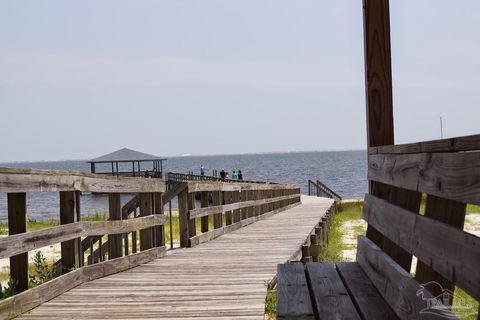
[[186, 155]]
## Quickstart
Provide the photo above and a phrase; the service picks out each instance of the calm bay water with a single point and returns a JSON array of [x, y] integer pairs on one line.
[[343, 171]]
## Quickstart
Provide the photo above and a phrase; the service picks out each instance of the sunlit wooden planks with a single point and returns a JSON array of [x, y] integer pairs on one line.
[[222, 279]]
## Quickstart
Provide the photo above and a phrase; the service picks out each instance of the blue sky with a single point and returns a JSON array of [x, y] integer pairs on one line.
[[80, 79]]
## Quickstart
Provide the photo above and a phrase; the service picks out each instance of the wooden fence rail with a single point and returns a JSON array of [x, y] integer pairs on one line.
[[134, 232]]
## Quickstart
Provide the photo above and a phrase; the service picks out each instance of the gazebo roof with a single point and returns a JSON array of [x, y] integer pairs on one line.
[[126, 155]]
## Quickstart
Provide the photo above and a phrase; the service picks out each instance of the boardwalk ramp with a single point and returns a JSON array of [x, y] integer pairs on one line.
[[225, 278]]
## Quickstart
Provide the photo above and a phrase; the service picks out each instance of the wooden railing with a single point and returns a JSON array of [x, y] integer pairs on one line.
[[447, 173], [321, 190], [134, 234], [73, 264], [233, 205]]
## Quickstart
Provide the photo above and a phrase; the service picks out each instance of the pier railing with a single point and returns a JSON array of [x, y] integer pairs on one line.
[[134, 233], [321, 190], [230, 206]]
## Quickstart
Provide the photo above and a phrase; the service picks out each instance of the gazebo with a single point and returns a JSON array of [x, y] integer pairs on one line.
[[126, 155]]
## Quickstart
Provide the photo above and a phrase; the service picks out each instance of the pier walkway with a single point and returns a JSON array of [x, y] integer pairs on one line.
[[225, 278]]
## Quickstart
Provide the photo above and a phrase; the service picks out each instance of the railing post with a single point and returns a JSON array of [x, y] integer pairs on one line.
[[69, 214], [159, 231], [217, 201], [17, 223], [114, 213], [192, 226], [227, 196], [236, 212], [146, 209], [183, 217], [204, 203]]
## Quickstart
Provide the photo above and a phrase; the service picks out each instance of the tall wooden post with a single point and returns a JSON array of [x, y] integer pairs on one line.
[[183, 217], [192, 226], [159, 230], [146, 209], [114, 213], [17, 223], [69, 214], [204, 203], [217, 201], [379, 102]]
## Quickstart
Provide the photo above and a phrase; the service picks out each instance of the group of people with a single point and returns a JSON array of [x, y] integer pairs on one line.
[[225, 175], [235, 175]]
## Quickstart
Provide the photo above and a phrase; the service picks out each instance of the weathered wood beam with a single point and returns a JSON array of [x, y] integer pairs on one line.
[[446, 249], [68, 215], [114, 213], [454, 176], [17, 224], [396, 285], [35, 180], [198, 186], [465, 143], [146, 209], [24, 242], [202, 212], [25, 301]]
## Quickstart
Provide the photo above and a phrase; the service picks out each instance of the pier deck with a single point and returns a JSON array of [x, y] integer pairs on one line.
[[225, 278]]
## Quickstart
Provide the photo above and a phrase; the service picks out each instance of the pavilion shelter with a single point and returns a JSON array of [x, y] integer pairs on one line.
[[128, 163]]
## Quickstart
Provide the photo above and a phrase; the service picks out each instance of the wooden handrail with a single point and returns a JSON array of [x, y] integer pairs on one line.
[[322, 189], [24, 242], [35, 180]]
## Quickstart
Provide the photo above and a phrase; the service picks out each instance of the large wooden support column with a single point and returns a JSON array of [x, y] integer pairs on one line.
[[69, 213], [17, 223], [379, 102], [183, 217], [114, 213], [158, 209], [146, 209]]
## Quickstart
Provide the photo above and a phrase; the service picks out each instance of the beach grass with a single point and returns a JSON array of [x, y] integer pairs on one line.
[[345, 212]]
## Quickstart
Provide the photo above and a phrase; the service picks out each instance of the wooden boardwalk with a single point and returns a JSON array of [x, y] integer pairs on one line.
[[225, 278]]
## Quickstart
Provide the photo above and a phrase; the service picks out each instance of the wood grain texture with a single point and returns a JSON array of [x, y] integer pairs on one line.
[[451, 213], [210, 235], [20, 303], [114, 213], [402, 293], [202, 212], [222, 279], [35, 180], [466, 143], [69, 249], [368, 301], [330, 297], [448, 250], [293, 297], [17, 224], [198, 186], [378, 72], [454, 176], [19, 243]]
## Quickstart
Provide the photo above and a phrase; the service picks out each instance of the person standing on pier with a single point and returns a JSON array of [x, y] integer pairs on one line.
[[234, 175], [202, 170], [223, 174], [240, 175]]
